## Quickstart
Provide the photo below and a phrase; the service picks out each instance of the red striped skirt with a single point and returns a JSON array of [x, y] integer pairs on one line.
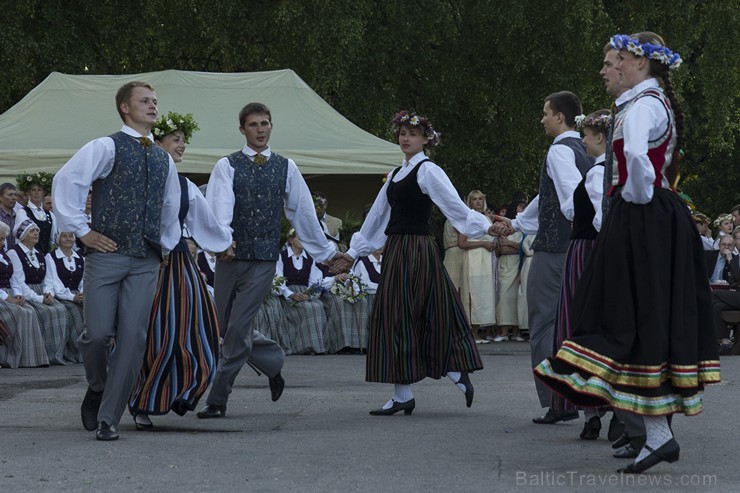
[[418, 327]]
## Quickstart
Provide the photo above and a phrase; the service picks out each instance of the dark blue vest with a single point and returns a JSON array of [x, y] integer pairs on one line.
[[373, 274], [127, 204], [259, 192], [184, 208], [6, 271], [554, 230]]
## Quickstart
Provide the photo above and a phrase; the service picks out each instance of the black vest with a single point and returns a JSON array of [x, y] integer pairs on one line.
[[411, 209], [184, 208], [71, 280], [205, 268], [583, 213], [127, 204], [34, 275], [293, 276], [6, 271], [373, 274], [554, 230], [45, 239], [259, 192]]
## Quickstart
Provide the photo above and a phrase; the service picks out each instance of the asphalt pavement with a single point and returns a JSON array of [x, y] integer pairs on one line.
[[320, 437]]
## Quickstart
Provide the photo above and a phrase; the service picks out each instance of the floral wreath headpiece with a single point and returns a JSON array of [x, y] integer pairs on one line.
[[648, 50], [701, 218], [721, 219], [173, 122], [41, 178], [409, 118], [600, 122]]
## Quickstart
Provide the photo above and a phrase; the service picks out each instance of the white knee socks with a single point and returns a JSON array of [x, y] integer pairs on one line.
[[658, 433], [401, 393]]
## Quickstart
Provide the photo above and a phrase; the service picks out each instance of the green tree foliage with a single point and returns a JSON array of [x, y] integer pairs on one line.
[[479, 69]]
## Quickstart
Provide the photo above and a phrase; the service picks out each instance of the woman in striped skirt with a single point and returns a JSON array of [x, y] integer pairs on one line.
[[65, 268], [23, 344], [183, 337], [29, 267], [418, 326]]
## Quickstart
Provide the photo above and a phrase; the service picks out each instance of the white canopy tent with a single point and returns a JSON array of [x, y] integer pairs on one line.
[[61, 114]]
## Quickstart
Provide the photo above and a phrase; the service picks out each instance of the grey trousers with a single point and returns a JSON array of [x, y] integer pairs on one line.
[[119, 292], [543, 297], [240, 288]]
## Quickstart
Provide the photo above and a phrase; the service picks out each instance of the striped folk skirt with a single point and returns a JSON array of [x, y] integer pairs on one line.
[[24, 345], [182, 342], [642, 337], [308, 330], [347, 322], [55, 325], [418, 326], [575, 261]]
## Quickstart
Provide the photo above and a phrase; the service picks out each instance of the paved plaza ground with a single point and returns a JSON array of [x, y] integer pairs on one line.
[[319, 437]]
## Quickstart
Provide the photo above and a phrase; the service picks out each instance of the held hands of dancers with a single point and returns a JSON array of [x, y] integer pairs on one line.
[[501, 227], [341, 263], [99, 242]]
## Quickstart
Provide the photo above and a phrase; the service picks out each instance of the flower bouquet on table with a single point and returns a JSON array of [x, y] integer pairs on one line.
[[352, 290]]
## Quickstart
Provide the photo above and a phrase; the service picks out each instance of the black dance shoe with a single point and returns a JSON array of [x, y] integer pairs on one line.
[[631, 449], [277, 384], [469, 390], [212, 411], [552, 416], [616, 428], [591, 429], [142, 422], [668, 452], [407, 408], [106, 432], [89, 409]]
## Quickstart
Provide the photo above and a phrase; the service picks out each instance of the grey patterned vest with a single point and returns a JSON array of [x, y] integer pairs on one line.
[[259, 192], [554, 230], [127, 204]]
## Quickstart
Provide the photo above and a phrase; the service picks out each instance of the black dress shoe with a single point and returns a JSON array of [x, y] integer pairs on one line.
[[106, 432], [623, 440], [277, 384], [89, 409], [668, 452], [407, 408], [629, 451], [469, 390], [212, 411], [591, 429], [142, 422], [552, 417], [616, 428]]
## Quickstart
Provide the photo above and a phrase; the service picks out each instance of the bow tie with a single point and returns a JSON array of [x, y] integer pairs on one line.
[[259, 159], [145, 141]]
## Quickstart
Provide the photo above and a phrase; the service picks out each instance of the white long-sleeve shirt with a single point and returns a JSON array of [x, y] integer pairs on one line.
[[20, 276], [202, 223], [433, 181], [315, 276], [298, 204], [560, 166], [361, 272], [95, 161], [595, 188], [59, 290], [646, 120]]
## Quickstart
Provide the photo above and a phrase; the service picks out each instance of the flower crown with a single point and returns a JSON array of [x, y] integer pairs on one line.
[[700, 218], [600, 122], [42, 179], [174, 122], [409, 118], [648, 50], [722, 218]]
